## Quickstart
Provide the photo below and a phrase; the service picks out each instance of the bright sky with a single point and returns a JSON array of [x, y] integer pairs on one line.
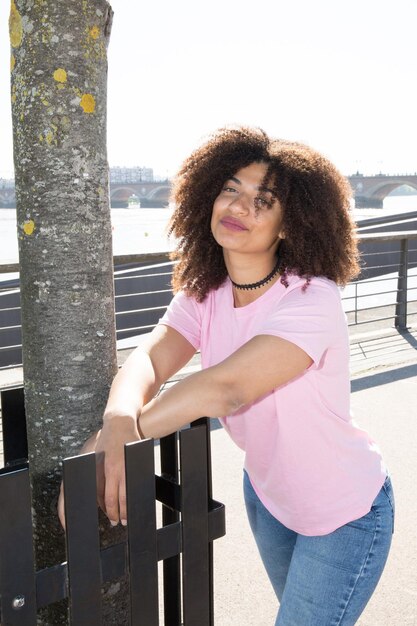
[[338, 75]]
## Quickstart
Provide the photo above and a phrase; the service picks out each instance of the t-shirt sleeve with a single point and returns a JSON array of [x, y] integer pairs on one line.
[[311, 319], [184, 315]]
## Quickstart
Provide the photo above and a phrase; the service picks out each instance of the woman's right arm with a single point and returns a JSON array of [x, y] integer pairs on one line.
[[159, 356]]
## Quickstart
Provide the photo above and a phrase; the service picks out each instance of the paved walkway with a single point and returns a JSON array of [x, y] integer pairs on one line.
[[384, 402]]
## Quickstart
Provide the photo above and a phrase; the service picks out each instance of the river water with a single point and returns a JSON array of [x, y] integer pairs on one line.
[[144, 230], [134, 231]]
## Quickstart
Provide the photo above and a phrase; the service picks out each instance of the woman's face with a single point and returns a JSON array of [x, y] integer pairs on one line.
[[246, 216]]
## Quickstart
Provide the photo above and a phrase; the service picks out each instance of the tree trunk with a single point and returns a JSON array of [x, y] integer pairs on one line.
[[58, 83]]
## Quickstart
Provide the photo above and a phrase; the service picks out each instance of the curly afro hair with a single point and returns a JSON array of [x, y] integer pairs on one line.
[[315, 198]]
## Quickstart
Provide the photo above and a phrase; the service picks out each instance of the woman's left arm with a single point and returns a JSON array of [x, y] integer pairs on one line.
[[259, 366]]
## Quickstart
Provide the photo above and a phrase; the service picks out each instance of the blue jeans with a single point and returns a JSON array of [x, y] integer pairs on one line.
[[325, 580]]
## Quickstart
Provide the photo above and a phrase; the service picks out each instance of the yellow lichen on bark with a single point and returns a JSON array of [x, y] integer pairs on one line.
[[60, 75], [29, 227], [94, 32], [88, 103], [15, 26], [12, 62]]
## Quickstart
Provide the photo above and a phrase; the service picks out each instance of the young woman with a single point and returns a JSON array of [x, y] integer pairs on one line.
[[264, 239]]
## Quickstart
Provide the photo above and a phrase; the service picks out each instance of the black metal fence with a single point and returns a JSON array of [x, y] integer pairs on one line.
[[191, 521]]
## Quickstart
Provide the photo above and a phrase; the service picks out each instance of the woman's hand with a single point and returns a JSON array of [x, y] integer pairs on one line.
[[89, 446], [108, 443], [111, 484]]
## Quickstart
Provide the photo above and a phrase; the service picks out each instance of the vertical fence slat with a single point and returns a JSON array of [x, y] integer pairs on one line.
[[206, 422], [17, 574], [13, 417], [172, 566], [194, 509], [142, 533], [83, 545]]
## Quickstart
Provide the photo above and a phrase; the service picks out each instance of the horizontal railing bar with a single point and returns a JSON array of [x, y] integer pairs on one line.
[[373, 308], [153, 308], [388, 236], [379, 306], [168, 493], [142, 293], [6, 291], [397, 251], [375, 293], [13, 308], [10, 347], [377, 319], [9, 268], [127, 330], [141, 268], [366, 268], [371, 295], [379, 252], [371, 282], [3, 368], [368, 281], [156, 275], [155, 257]]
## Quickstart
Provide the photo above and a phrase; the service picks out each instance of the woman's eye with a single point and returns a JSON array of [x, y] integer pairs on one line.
[[262, 202], [227, 188]]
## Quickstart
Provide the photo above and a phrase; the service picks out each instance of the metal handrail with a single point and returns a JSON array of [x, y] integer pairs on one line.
[[144, 314]]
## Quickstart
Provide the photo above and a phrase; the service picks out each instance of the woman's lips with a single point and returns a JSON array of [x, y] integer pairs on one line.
[[232, 224]]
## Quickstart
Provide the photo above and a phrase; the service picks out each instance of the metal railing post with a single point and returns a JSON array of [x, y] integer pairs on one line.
[[401, 304], [356, 303]]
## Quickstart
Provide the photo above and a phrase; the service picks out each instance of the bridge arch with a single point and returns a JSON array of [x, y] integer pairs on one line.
[[163, 192], [382, 190], [122, 194]]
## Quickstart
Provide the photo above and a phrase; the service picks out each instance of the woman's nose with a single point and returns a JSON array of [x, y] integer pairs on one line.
[[241, 204]]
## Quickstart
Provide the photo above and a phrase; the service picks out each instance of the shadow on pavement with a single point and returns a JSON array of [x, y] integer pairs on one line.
[[382, 378]]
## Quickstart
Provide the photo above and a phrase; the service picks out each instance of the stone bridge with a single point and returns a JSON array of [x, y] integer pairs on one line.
[[155, 194], [369, 191]]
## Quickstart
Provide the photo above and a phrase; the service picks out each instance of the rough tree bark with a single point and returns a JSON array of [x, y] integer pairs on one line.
[[58, 87]]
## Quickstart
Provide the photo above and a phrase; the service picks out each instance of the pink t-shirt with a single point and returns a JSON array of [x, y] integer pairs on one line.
[[309, 464]]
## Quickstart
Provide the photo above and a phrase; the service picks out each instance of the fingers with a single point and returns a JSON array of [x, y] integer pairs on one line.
[[113, 504], [90, 444], [115, 499], [122, 502], [61, 506], [100, 480], [110, 475]]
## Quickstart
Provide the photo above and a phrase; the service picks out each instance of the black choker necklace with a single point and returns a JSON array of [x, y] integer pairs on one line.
[[260, 283]]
